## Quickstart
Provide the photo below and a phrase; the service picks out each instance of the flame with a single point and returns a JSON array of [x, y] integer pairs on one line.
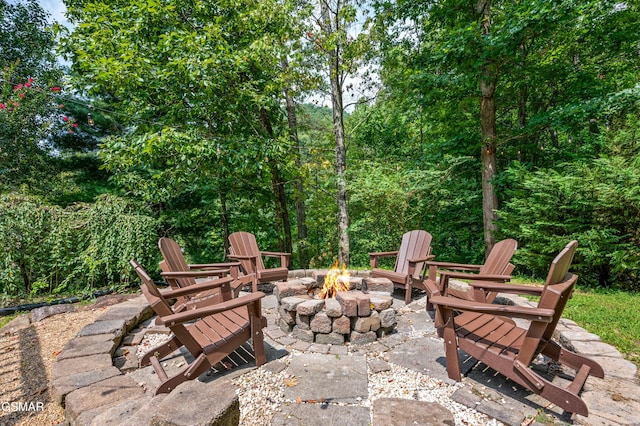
[[337, 279]]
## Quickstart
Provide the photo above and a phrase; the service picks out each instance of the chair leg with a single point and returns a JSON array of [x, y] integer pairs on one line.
[[193, 371], [258, 345], [161, 351], [450, 344], [572, 359], [407, 293], [565, 398], [429, 306]]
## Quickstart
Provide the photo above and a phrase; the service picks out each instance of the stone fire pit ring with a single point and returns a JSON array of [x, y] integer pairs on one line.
[[358, 316]]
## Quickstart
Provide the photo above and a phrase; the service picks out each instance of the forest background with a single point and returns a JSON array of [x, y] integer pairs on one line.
[[327, 129]]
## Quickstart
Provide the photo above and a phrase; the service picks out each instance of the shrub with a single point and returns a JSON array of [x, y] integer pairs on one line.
[[596, 202], [47, 248]]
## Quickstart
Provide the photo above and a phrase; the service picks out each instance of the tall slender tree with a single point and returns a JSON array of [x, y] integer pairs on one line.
[[341, 42]]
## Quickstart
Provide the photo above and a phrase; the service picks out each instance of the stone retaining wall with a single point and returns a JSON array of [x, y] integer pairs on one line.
[[94, 392]]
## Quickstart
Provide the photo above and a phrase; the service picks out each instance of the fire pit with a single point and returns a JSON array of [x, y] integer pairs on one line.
[[333, 307]]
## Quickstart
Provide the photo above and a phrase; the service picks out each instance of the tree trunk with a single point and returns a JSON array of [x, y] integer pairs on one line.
[[488, 79], [335, 76], [301, 214], [224, 219], [282, 213]]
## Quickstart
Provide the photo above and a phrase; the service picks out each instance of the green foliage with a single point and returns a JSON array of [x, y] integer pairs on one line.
[[28, 107], [596, 202], [27, 40], [47, 248]]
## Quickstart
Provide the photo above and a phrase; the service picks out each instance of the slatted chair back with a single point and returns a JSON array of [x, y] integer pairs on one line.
[[245, 244], [499, 257], [558, 286], [415, 245], [174, 260]]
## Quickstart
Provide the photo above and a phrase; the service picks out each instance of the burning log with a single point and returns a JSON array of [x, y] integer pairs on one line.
[[337, 279]]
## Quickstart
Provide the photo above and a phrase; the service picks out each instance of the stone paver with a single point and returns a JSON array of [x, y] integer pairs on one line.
[[425, 356], [69, 366], [67, 384], [325, 377], [89, 345], [100, 396], [112, 326], [219, 398], [95, 392], [396, 411], [321, 414]]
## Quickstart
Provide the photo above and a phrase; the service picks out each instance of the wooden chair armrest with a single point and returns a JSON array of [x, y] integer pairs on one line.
[[414, 262], [475, 277], [421, 259], [239, 256], [284, 257], [197, 288], [446, 275], [213, 265], [193, 314], [274, 254], [524, 312], [451, 265], [508, 288], [195, 274], [384, 254], [373, 257]]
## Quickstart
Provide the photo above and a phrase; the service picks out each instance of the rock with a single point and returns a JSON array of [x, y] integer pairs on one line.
[[288, 289], [332, 308], [388, 318], [330, 339], [18, 323], [96, 398], [341, 325], [113, 326], [379, 284], [362, 338], [321, 323], [291, 303], [39, 314], [310, 307]]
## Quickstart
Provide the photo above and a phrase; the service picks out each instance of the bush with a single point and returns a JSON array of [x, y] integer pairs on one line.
[[83, 246], [596, 202]]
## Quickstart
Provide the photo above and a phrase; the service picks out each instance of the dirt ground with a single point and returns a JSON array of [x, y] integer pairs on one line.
[[26, 356]]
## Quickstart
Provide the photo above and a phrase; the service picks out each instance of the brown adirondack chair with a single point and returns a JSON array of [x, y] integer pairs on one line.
[[209, 333], [415, 249], [179, 274], [488, 333], [496, 268], [244, 248]]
